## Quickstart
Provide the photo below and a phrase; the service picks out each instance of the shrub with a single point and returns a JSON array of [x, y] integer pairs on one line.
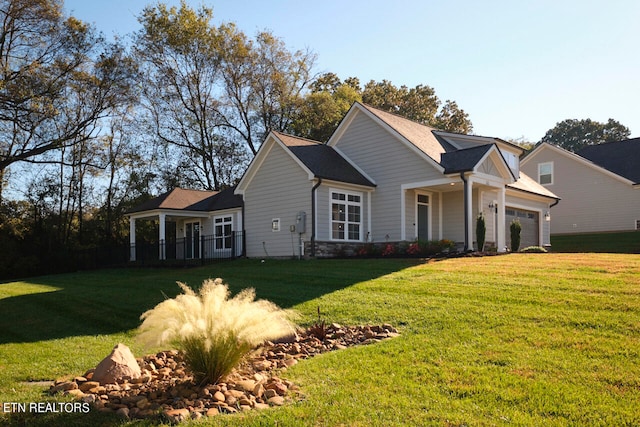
[[213, 331], [389, 250], [534, 249], [515, 229], [430, 248], [481, 230]]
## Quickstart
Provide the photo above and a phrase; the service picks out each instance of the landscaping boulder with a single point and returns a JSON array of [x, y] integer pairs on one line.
[[119, 365]]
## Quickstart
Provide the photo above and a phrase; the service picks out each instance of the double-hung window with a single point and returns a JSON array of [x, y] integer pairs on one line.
[[545, 173], [346, 215]]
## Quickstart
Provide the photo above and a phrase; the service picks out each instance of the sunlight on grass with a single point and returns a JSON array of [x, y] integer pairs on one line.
[[539, 339], [14, 289]]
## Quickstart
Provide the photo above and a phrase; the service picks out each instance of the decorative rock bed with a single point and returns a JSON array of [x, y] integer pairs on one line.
[[166, 390]]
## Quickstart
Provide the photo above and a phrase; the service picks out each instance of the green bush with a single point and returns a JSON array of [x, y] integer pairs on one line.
[[515, 229], [481, 230], [534, 249], [213, 331]]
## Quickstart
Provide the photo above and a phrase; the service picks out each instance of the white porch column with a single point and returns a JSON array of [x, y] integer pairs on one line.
[[132, 239], [501, 243], [162, 237], [469, 212]]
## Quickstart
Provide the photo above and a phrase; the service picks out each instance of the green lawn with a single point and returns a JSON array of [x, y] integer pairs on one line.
[[622, 242], [520, 339]]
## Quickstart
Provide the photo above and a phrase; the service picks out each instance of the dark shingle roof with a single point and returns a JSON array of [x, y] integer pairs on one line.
[[323, 161], [463, 160], [222, 200], [191, 200], [620, 157]]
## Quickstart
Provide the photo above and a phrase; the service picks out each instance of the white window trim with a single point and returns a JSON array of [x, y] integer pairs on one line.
[[347, 193], [540, 165]]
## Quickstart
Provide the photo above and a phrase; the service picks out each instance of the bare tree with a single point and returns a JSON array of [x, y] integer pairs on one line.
[[57, 80]]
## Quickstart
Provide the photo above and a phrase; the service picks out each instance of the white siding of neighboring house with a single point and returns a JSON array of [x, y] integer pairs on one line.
[[279, 189], [591, 200], [390, 164]]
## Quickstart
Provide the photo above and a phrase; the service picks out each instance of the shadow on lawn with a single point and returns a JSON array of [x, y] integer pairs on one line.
[[111, 301]]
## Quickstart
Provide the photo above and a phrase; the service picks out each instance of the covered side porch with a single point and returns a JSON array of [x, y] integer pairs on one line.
[[190, 224]]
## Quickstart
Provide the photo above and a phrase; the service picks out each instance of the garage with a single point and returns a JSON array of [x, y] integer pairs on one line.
[[529, 220]]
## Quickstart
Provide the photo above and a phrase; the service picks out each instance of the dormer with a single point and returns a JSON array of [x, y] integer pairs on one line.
[[509, 151]]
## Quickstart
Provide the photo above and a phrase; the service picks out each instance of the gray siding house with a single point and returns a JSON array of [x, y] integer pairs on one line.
[[599, 185], [379, 179], [383, 178]]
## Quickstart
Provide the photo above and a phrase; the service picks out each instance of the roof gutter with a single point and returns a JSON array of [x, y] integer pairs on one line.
[[313, 216]]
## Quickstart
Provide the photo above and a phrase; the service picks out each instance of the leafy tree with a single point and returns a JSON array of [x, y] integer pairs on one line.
[[331, 98], [572, 134], [324, 108], [57, 80], [419, 104]]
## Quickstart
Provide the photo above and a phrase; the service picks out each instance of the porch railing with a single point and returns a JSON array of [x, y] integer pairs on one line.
[[189, 250]]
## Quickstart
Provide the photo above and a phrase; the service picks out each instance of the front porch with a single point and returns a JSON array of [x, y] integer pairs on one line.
[[447, 208]]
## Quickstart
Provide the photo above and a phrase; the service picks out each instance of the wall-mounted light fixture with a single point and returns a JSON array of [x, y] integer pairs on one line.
[[493, 205], [547, 216]]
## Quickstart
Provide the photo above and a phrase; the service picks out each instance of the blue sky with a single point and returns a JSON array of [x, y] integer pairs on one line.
[[516, 67]]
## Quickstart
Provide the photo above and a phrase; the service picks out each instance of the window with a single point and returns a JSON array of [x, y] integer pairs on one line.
[[222, 227], [545, 173], [346, 216]]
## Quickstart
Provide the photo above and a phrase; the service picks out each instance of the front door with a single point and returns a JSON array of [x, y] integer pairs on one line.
[[422, 212], [192, 240]]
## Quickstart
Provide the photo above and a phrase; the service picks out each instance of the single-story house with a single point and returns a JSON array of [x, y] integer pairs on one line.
[[599, 185], [380, 178]]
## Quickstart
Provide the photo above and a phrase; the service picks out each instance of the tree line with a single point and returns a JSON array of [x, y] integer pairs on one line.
[[90, 127]]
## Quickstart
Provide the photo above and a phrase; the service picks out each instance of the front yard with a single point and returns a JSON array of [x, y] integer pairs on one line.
[[520, 339]]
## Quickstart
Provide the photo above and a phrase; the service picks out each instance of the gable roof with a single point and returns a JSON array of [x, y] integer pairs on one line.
[[420, 135], [619, 157], [191, 200], [464, 160], [323, 161]]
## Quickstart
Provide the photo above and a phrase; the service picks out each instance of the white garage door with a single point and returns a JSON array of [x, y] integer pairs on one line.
[[529, 236]]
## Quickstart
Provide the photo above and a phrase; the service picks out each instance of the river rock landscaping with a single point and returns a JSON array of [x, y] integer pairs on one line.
[[165, 388]]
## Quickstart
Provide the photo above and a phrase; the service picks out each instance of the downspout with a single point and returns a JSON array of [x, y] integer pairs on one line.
[[313, 216], [466, 209]]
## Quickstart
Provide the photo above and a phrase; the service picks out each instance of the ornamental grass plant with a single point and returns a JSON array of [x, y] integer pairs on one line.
[[213, 331]]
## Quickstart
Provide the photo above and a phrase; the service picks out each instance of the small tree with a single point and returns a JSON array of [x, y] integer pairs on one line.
[[481, 230], [515, 228]]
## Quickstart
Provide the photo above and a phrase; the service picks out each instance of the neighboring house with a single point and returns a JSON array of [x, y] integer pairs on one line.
[[192, 224], [382, 178], [599, 185]]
